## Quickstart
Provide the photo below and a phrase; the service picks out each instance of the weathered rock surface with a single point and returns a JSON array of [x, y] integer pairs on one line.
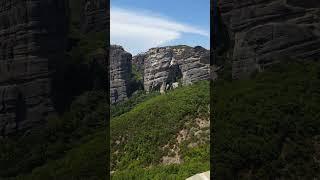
[[32, 37], [120, 72], [94, 16], [166, 65], [266, 31]]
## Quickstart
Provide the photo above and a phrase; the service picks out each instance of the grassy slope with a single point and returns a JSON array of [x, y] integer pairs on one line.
[[152, 124], [270, 132]]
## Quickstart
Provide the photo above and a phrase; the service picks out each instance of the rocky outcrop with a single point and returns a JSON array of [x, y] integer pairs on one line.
[[120, 73], [266, 31], [165, 67], [162, 68], [32, 37], [94, 16]]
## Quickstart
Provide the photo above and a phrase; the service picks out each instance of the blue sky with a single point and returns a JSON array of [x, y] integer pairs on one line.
[[139, 25]]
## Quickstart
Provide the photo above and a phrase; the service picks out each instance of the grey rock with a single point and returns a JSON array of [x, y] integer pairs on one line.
[[167, 65], [120, 73], [94, 16], [266, 31], [32, 40]]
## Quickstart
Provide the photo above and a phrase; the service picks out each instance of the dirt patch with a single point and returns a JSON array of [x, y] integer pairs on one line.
[[195, 133]]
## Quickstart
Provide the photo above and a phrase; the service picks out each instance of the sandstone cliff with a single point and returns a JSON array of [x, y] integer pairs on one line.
[[120, 72], [263, 32], [167, 67], [32, 37], [162, 68]]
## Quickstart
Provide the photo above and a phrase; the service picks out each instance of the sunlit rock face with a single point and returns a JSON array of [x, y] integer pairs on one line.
[[32, 40], [94, 16], [267, 31], [120, 72], [164, 67]]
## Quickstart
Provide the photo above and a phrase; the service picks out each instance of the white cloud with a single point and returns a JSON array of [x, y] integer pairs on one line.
[[139, 31]]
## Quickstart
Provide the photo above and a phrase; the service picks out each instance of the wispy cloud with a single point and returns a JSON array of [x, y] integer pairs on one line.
[[138, 31]]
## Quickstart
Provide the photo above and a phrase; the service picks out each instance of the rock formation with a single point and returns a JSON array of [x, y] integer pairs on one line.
[[266, 31], [32, 37], [94, 16], [164, 67], [120, 73]]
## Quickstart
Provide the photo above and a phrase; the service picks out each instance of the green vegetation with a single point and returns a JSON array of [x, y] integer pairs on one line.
[[63, 147], [83, 162], [72, 144], [136, 74], [267, 127], [198, 162], [139, 132], [126, 106]]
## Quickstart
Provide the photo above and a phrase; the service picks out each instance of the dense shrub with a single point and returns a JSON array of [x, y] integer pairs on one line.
[[265, 127], [51, 141], [149, 125]]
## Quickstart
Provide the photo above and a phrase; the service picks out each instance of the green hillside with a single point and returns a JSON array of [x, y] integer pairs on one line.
[[148, 121], [268, 127], [139, 136]]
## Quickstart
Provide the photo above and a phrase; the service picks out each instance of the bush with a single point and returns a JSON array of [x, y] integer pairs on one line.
[[264, 126]]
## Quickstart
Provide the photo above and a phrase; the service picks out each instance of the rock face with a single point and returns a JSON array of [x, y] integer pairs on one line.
[[162, 69], [165, 66], [120, 72], [266, 31], [32, 36], [94, 16]]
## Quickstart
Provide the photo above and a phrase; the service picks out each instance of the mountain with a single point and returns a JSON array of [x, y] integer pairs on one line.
[[158, 69], [120, 74], [154, 135]]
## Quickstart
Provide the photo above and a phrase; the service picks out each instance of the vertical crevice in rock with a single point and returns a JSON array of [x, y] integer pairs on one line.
[[174, 76]]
